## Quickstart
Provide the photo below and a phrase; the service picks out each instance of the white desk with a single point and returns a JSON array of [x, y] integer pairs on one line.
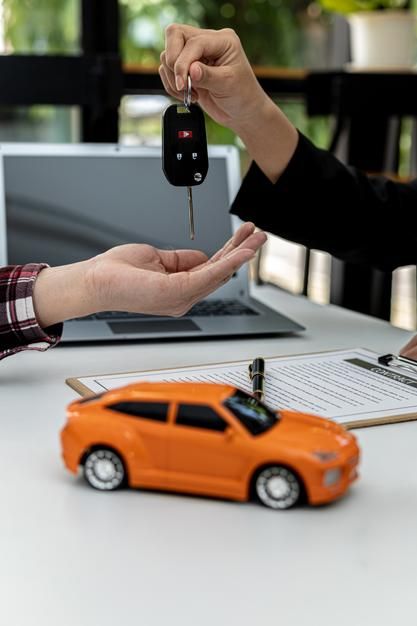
[[70, 556]]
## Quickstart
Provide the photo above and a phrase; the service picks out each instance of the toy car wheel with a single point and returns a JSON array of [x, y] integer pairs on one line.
[[104, 470], [277, 487]]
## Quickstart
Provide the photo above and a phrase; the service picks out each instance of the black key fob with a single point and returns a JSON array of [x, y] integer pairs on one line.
[[184, 145]]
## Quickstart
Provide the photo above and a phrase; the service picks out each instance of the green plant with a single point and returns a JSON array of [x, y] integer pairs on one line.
[[354, 6], [41, 26], [270, 30]]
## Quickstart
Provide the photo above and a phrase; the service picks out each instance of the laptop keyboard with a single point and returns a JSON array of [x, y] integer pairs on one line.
[[206, 308]]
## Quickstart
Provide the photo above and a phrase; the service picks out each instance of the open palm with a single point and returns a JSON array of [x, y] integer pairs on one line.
[[140, 278]]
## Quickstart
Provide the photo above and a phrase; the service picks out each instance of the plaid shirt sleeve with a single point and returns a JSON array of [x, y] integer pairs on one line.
[[19, 329]]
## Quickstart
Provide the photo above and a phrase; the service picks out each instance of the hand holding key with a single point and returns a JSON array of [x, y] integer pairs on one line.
[[223, 81], [226, 87]]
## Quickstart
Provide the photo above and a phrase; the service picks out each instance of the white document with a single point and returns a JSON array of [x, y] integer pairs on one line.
[[347, 386]]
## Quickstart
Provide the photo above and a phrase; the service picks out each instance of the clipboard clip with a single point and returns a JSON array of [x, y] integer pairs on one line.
[[398, 361]]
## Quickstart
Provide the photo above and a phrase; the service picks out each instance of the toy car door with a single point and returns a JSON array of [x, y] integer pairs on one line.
[[146, 435], [206, 453]]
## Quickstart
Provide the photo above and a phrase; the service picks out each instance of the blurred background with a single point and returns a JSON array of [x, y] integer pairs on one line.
[[286, 40], [298, 29]]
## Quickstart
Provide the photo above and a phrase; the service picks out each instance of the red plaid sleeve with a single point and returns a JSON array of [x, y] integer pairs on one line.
[[19, 329]]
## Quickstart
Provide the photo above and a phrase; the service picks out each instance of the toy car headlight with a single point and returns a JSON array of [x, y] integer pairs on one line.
[[332, 476], [325, 456]]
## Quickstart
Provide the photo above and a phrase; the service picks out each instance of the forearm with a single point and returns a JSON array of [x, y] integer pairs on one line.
[[270, 139], [321, 203], [62, 293], [19, 328], [35, 298]]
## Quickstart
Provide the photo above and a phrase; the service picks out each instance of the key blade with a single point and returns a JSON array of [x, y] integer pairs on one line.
[[191, 211]]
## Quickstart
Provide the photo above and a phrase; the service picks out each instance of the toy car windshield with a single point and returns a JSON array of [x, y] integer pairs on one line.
[[255, 416]]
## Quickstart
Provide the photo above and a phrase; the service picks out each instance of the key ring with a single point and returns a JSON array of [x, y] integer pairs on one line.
[[187, 93]]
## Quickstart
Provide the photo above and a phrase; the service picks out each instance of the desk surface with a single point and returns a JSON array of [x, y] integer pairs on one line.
[[71, 556]]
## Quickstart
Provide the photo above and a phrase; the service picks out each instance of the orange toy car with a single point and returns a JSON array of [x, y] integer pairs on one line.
[[207, 439]]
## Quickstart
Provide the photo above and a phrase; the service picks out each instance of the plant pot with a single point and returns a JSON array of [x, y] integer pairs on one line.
[[382, 39]]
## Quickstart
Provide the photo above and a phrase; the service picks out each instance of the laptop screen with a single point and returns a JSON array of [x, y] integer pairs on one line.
[[61, 209]]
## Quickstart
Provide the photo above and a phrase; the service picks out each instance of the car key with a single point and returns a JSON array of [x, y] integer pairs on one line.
[[184, 147]]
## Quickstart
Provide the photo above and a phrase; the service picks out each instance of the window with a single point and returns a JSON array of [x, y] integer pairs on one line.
[[200, 416], [254, 415], [156, 411]]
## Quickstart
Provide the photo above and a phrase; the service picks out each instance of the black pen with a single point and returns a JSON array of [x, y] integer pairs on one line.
[[257, 376]]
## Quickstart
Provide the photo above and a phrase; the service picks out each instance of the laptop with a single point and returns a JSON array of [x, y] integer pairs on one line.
[[64, 203]]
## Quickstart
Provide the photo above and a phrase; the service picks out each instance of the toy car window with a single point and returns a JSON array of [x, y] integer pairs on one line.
[[200, 416], [255, 416], [157, 411]]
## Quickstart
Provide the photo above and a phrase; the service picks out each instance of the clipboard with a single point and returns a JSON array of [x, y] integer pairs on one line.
[[385, 376]]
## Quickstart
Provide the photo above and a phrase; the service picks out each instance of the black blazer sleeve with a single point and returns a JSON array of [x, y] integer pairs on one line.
[[322, 204]]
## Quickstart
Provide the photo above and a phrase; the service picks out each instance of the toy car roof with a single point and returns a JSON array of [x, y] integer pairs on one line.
[[169, 391]]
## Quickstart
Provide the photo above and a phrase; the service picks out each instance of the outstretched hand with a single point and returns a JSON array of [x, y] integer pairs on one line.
[[140, 279]]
